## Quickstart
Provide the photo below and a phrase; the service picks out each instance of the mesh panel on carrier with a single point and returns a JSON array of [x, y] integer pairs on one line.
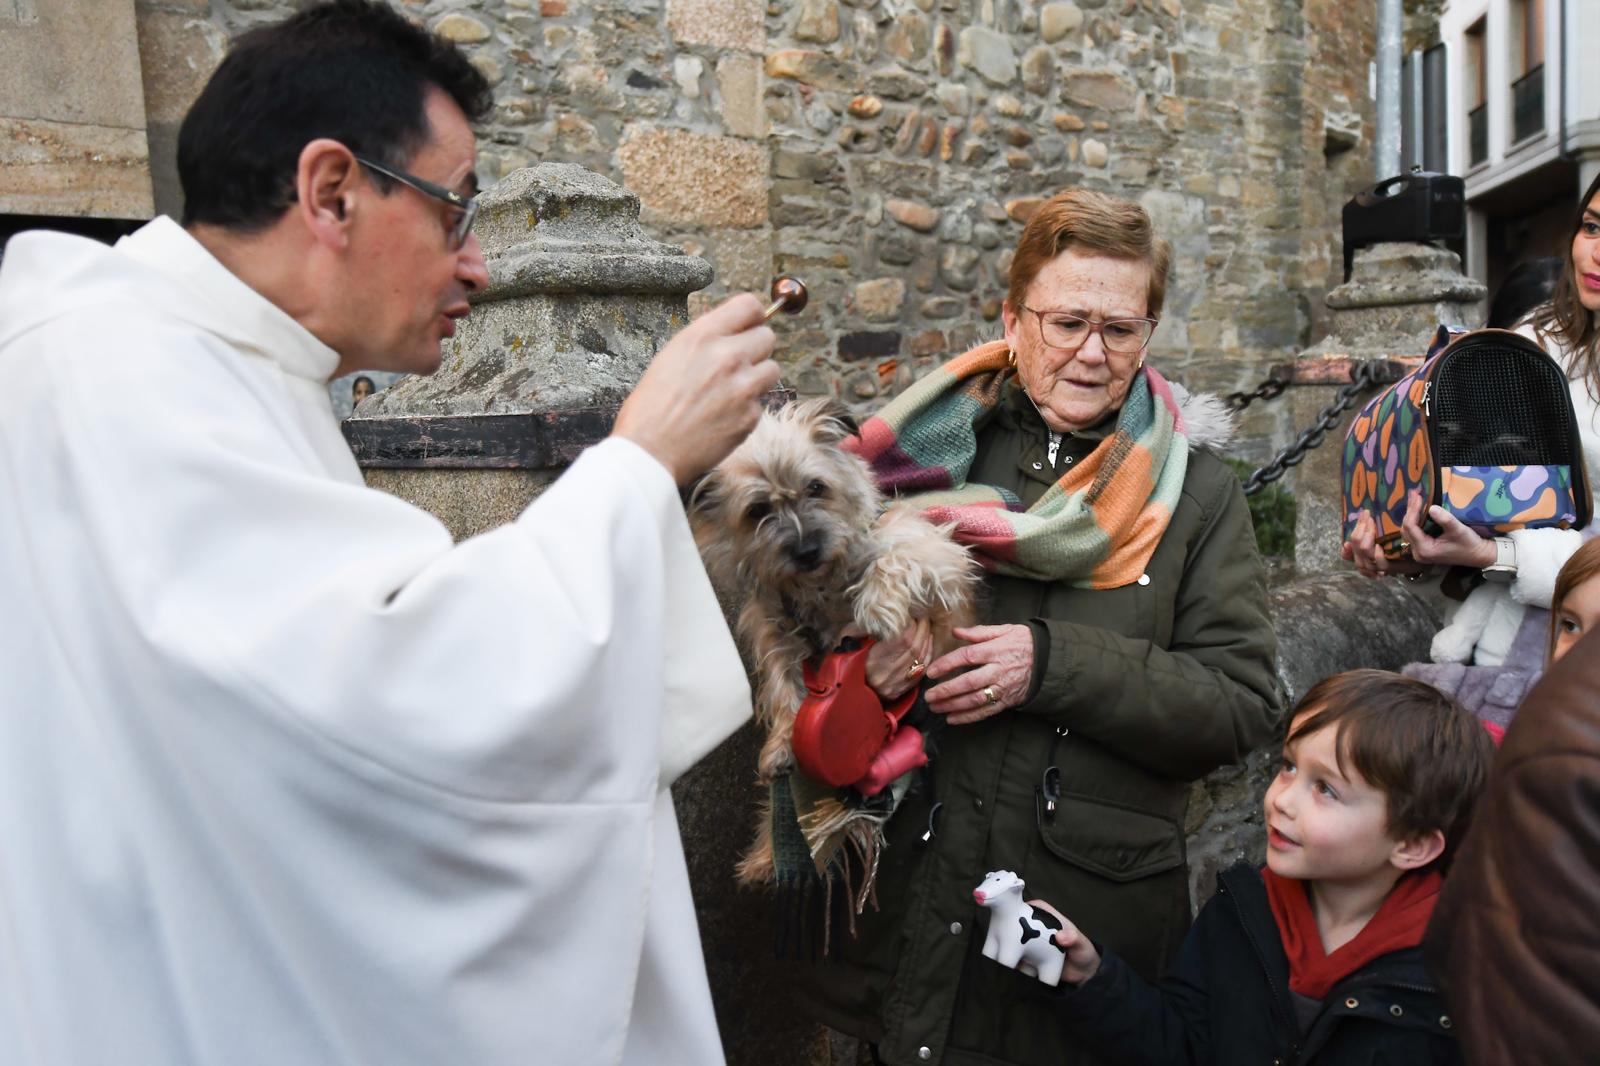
[[1528, 423]]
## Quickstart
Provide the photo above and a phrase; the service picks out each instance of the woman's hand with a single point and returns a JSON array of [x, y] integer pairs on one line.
[[1456, 545], [1362, 549], [1083, 961], [1001, 669], [894, 665]]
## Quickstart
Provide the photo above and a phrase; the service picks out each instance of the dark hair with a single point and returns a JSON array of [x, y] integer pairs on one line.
[[1564, 317], [1427, 754], [1093, 222], [352, 70], [1531, 283]]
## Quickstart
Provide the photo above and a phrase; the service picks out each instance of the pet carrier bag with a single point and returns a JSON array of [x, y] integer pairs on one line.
[[1484, 427]]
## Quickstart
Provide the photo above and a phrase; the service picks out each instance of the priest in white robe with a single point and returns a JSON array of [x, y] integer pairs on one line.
[[286, 776]]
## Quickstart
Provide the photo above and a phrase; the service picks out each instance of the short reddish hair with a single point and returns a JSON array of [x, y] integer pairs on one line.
[[1427, 754], [1584, 564], [1094, 222]]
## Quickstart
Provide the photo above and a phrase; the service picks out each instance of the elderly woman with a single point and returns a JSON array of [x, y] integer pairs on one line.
[[1126, 649]]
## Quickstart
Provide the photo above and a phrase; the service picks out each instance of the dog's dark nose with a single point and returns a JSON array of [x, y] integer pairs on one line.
[[807, 555]]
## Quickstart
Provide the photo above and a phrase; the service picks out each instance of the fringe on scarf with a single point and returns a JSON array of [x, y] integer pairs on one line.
[[826, 846]]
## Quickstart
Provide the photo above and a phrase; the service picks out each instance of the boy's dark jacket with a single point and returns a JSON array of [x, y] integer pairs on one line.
[[1226, 1002]]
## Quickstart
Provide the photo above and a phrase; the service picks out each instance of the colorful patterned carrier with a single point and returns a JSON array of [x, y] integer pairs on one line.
[[1484, 427]]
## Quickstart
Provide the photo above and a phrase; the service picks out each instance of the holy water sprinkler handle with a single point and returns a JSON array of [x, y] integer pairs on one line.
[[788, 295]]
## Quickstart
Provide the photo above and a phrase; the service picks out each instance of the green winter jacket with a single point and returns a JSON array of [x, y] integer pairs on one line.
[[1137, 692]]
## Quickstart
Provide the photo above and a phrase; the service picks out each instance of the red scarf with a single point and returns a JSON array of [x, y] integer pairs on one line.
[[1398, 924]]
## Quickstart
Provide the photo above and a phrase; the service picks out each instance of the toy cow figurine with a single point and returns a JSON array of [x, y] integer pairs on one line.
[[1018, 932]]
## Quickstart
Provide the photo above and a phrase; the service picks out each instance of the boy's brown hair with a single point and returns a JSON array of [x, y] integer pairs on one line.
[[1427, 754]]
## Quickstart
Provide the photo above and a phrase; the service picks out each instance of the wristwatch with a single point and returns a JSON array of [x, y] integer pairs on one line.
[[1503, 570]]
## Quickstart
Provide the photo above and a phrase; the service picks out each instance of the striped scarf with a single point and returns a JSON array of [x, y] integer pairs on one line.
[[1096, 527]]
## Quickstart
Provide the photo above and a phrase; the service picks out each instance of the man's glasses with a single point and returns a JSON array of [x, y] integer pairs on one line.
[[1124, 336], [467, 206]]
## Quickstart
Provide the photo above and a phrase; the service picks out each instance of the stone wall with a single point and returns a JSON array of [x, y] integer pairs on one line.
[[72, 125], [889, 150], [180, 44]]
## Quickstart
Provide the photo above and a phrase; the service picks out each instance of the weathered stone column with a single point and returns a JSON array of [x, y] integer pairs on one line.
[[580, 298], [1397, 295]]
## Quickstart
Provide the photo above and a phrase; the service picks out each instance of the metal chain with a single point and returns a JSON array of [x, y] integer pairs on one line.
[[1364, 376], [1269, 389]]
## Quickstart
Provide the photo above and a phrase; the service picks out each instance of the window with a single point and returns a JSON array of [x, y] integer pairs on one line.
[[1527, 60], [1476, 85], [1527, 27]]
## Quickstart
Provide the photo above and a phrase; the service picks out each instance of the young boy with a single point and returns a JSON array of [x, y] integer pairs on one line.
[[1315, 958]]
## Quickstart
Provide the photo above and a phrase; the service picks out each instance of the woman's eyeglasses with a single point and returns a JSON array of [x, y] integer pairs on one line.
[[1070, 332], [467, 206]]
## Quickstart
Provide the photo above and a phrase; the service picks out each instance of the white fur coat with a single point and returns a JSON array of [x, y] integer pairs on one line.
[[1207, 421]]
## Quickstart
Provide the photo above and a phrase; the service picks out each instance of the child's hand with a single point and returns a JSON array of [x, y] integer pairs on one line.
[[1083, 961]]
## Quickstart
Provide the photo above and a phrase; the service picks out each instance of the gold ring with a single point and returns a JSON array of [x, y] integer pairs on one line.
[[989, 695], [1405, 545], [914, 668]]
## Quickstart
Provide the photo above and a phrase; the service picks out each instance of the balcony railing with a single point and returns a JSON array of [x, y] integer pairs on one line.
[[1527, 105], [1478, 134]]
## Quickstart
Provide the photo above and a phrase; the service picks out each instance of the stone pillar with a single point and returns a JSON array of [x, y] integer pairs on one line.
[[72, 119], [1397, 295], [579, 300]]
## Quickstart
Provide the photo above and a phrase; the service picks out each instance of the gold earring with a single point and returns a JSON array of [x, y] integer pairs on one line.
[[1011, 356]]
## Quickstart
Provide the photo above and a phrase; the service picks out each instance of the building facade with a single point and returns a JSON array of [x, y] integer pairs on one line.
[[1524, 122]]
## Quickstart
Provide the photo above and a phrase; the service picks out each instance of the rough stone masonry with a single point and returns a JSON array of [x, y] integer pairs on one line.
[[888, 151]]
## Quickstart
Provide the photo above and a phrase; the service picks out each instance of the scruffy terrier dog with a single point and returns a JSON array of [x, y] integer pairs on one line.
[[793, 527]]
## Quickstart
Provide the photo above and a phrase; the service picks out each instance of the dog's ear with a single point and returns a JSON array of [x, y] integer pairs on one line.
[[829, 421], [705, 495]]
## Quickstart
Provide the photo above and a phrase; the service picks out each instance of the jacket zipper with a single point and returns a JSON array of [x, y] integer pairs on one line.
[[1261, 957], [1434, 494], [1049, 790]]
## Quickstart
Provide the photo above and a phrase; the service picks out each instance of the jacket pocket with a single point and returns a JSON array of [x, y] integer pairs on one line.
[[1111, 840]]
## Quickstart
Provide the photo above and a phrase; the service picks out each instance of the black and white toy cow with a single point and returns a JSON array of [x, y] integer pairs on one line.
[[1018, 932]]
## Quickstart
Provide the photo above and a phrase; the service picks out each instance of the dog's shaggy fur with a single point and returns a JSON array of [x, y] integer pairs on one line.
[[792, 526]]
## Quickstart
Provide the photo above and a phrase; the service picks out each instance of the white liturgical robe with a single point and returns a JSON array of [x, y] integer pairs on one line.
[[286, 776]]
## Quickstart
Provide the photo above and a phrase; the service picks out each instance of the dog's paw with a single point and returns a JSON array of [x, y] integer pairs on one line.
[[880, 609]]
